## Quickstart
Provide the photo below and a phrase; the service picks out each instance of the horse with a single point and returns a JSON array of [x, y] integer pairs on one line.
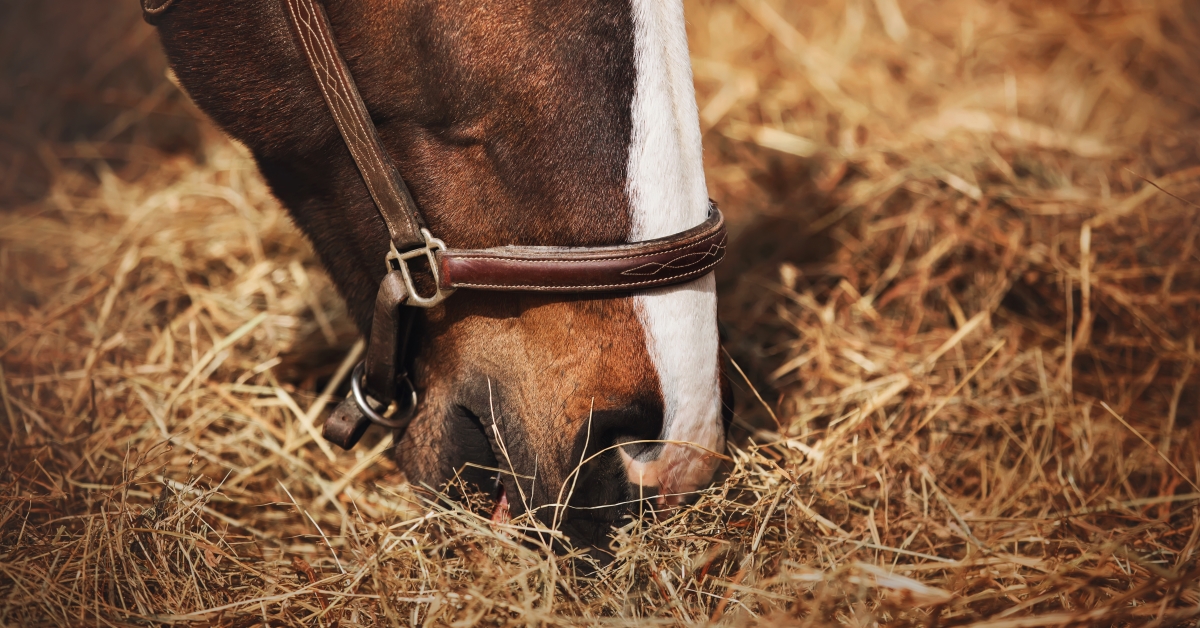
[[563, 123]]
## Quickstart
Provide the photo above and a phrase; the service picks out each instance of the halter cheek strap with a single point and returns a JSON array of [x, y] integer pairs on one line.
[[311, 28], [621, 268]]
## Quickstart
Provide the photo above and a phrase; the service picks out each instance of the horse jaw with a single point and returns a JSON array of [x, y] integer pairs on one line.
[[668, 195]]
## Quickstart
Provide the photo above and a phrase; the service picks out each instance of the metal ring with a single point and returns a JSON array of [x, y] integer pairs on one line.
[[152, 13], [361, 400]]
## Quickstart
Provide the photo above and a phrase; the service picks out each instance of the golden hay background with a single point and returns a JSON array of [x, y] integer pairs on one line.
[[966, 313]]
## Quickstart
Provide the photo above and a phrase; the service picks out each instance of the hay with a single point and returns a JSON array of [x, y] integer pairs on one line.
[[963, 296]]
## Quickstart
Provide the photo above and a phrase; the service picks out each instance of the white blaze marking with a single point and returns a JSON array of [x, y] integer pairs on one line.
[[668, 195]]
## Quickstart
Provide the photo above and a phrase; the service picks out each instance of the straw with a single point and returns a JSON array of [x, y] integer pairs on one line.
[[961, 299]]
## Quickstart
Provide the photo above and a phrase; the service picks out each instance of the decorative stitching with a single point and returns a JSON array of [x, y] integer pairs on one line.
[[713, 250], [591, 287], [451, 254]]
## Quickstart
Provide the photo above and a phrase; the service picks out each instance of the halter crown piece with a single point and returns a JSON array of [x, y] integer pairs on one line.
[[621, 268]]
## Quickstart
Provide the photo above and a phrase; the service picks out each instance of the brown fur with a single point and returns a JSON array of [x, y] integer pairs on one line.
[[510, 122], [542, 369]]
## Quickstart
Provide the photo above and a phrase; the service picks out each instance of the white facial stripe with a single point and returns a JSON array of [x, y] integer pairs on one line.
[[668, 195], [666, 174]]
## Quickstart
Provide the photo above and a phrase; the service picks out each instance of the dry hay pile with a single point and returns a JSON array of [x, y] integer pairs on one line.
[[964, 313]]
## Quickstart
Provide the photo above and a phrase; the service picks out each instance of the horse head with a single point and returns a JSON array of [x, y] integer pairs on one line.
[[556, 123]]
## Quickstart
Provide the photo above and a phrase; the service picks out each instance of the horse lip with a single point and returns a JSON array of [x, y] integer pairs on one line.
[[641, 472], [678, 470], [501, 513]]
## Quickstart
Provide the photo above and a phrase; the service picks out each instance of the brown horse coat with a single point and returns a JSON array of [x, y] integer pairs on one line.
[[564, 122]]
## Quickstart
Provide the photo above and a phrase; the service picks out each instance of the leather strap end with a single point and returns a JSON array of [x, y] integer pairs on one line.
[[387, 338], [346, 425]]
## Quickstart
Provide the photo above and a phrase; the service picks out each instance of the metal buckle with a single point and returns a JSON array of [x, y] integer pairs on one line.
[[399, 261], [360, 398]]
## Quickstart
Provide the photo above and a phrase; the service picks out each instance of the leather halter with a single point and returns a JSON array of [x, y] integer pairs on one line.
[[619, 268]]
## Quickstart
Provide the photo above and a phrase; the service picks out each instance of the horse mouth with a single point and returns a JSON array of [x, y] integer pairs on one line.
[[600, 497], [501, 513]]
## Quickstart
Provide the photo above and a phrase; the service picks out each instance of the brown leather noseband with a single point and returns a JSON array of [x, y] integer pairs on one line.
[[619, 268]]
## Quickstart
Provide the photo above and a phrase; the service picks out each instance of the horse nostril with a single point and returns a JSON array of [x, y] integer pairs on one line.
[[636, 429], [646, 448]]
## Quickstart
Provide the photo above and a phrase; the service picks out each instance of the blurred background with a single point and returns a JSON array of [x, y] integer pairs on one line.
[[962, 299]]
